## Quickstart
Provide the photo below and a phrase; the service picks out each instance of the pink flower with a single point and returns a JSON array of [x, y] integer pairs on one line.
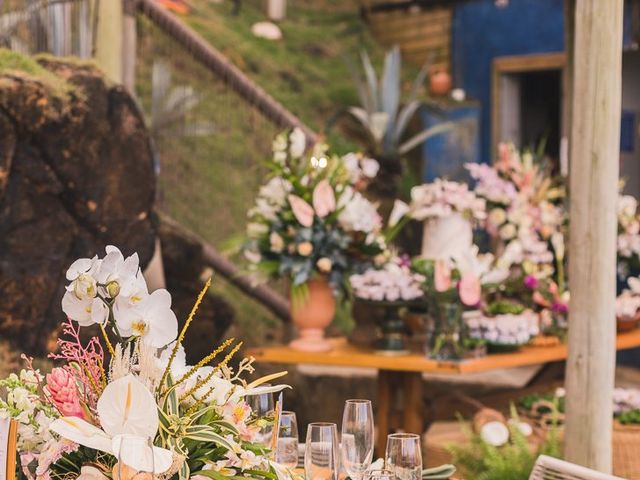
[[530, 282], [324, 200], [469, 289], [442, 276], [63, 391], [301, 210]]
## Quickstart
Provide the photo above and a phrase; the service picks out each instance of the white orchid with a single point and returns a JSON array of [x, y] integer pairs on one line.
[[126, 409], [79, 300], [297, 143], [151, 319], [116, 271]]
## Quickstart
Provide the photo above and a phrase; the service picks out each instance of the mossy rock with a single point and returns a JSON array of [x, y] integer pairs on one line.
[[76, 174]]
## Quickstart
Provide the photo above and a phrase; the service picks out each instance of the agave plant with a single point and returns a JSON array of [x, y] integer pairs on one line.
[[170, 106], [382, 119]]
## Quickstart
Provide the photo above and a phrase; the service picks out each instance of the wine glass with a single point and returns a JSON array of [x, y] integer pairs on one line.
[[262, 406], [135, 458], [404, 456], [379, 475], [321, 460], [357, 437], [287, 447]]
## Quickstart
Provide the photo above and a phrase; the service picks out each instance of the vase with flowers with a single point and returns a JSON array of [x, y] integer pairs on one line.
[[312, 225]]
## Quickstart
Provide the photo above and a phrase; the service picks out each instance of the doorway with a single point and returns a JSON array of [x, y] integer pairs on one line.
[[528, 104]]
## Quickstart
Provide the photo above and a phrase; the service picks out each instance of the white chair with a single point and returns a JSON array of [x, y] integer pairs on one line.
[[549, 468]]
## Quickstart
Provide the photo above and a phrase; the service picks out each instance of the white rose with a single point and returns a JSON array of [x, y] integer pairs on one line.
[[324, 264], [276, 241]]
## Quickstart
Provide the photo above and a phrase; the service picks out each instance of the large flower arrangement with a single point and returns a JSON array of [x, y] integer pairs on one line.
[[310, 217], [525, 208], [73, 422]]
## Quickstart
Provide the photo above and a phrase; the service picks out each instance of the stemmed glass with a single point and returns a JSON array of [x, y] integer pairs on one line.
[[134, 450], [321, 460], [262, 406], [404, 456], [379, 475], [357, 437], [287, 447]]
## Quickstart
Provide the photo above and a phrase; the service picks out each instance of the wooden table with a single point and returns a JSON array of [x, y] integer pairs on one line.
[[403, 374]]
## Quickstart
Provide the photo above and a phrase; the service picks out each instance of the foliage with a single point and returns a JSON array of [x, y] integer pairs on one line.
[[513, 461], [631, 417]]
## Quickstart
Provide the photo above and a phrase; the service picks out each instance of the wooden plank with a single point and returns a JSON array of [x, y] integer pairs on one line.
[[345, 354], [440, 30], [402, 19], [594, 170]]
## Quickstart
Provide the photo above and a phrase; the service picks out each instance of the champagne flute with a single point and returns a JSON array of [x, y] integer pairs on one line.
[[357, 437], [379, 475], [321, 460], [262, 406], [404, 456], [287, 447], [135, 458]]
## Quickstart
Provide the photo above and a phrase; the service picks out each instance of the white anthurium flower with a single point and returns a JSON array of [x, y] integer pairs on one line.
[[115, 271], [470, 261], [126, 408], [400, 209], [151, 319]]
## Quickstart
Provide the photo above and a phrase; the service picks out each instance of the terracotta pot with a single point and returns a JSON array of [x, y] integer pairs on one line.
[[313, 316], [439, 83]]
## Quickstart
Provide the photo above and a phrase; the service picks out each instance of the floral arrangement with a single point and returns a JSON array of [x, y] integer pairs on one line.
[[524, 203], [628, 235], [311, 218], [628, 302], [394, 282], [504, 329], [443, 198], [143, 410]]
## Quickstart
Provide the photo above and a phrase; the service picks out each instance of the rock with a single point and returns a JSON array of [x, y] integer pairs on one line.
[[76, 174], [267, 30], [186, 272]]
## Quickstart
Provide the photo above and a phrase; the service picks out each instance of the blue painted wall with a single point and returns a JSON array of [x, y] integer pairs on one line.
[[481, 32]]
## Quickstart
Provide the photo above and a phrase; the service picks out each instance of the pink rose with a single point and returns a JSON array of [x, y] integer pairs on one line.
[[301, 210], [470, 289], [324, 200], [63, 391], [442, 276]]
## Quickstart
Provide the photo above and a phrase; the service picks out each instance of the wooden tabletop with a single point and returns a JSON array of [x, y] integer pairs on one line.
[[347, 355]]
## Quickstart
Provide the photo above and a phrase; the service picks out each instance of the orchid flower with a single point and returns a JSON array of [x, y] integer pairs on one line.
[[126, 409], [79, 300], [151, 319]]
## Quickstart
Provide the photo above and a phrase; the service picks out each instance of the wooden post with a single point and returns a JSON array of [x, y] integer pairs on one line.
[[129, 45], [109, 38], [595, 139]]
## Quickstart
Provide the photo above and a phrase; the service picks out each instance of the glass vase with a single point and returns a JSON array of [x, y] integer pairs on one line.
[[446, 342]]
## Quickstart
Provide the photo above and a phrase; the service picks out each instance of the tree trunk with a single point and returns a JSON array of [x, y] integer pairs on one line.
[[595, 138]]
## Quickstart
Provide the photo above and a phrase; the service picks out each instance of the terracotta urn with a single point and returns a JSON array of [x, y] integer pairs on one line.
[[313, 316], [439, 82]]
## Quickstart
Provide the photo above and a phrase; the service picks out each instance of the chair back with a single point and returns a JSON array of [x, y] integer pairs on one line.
[[549, 468]]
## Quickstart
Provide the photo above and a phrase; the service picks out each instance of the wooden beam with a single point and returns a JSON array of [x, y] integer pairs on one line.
[[129, 46], [594, 146]]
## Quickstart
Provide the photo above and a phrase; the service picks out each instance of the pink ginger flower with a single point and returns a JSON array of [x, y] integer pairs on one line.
[[442, 276], [63, 391], [470, 289]]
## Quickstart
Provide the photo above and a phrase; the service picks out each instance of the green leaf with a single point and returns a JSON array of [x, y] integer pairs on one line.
[[424, 135]]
